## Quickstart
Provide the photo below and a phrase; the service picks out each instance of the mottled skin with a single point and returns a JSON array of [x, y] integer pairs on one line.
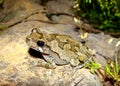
[[58, 49]]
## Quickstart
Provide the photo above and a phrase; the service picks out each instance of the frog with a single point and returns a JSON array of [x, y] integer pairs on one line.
[[57, 49]]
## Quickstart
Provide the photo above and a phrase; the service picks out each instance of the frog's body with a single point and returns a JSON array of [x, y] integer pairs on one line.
[[58, 49]]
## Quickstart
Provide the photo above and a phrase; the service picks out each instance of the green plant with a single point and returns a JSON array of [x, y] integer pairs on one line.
[[92, 66], [113, 71], [2, 27], [103, 14], [1, 1]]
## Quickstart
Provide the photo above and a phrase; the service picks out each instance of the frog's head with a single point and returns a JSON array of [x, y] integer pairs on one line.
[[39, 41], [35, 40]]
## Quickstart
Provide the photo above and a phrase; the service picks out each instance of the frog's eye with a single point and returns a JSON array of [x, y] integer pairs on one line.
[[40, 43]]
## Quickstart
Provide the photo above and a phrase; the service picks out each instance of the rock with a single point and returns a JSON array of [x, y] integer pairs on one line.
[[102, 45], [14, 52], [61, 11], [85, 79], [58, 6], [118, 55]]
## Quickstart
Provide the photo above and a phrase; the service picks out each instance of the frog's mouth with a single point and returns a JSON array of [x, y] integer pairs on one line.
[[39, 49], [47, 54], [42, 51], [38, 46]]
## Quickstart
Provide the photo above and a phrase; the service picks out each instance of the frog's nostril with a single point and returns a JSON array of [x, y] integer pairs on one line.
[[40, 43]]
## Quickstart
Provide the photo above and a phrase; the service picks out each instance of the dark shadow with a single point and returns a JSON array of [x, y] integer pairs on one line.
[[76, 29], [35, 53]]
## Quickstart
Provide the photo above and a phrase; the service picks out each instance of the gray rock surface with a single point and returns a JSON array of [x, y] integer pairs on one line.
[[102, 45]]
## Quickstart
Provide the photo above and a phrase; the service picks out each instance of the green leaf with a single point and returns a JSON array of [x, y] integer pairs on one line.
[[108, 71], [92, 70], [2, 27], [116, 67], [92, 66], [1, 1]]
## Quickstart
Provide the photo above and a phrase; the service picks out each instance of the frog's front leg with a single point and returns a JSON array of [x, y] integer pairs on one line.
[[42, 63], [53, 58]]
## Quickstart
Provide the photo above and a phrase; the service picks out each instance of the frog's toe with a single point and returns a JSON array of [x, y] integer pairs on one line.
[[45, 64]]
